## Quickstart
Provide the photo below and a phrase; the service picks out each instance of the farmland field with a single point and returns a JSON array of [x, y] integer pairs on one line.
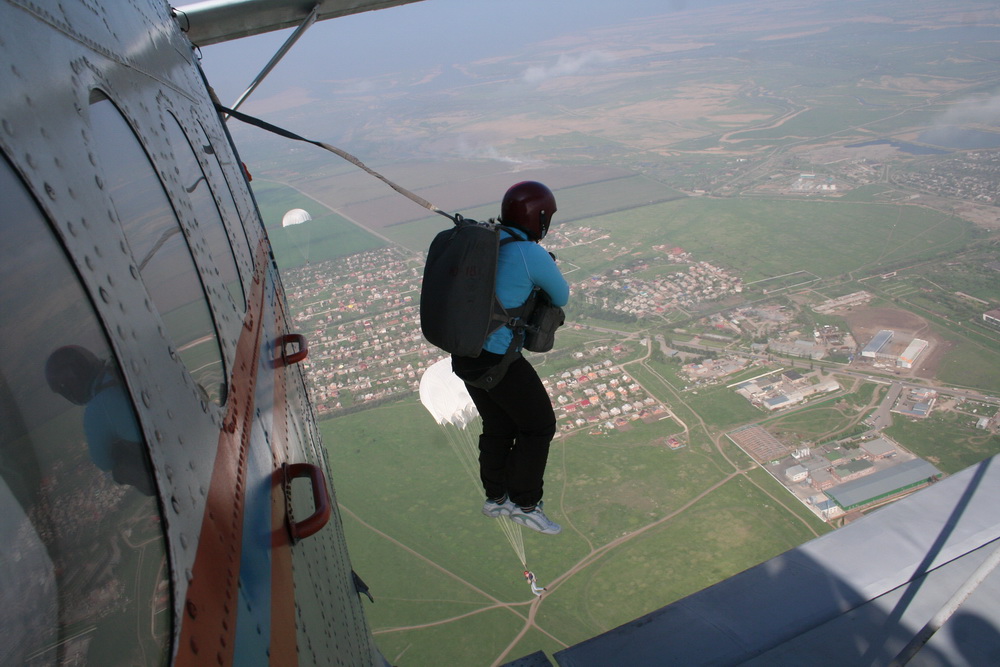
[[327, 236]]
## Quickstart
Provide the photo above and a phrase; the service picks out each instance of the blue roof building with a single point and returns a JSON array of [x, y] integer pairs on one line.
[[876, 344]]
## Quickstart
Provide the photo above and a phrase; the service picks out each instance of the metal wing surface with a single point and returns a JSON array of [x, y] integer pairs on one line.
[[215, 21]]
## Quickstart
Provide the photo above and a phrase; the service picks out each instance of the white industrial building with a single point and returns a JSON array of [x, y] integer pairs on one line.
[[796, 473], [912, 351]]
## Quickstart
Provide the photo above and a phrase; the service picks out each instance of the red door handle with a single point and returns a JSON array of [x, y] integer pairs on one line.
[[285, 359], [299, 530]]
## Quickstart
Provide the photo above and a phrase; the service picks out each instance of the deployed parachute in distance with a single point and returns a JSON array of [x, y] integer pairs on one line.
[[296, 216], [301, 237]]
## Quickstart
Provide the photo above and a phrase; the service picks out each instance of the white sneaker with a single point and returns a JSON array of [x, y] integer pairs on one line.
[[494, 510], [535, 520]]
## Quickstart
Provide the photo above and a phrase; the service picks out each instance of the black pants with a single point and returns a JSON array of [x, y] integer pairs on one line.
[[518, 425]]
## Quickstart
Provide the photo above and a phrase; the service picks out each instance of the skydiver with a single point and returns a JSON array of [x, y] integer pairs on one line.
[[518, 419], [535, 588], [113, 436]]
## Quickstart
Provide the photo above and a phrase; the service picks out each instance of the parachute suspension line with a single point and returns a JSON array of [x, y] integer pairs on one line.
[[281, 132], [465, 443], [447, 399], [512, 532]]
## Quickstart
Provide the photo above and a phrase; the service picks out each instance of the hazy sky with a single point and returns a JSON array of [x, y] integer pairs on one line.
[[427, 33]]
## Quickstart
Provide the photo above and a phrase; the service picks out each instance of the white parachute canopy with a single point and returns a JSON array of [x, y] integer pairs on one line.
[[295, 217], [445, 396]]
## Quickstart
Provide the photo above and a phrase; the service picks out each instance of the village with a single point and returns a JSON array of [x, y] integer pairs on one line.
[[624, 291], [367, 348], [361, 316]]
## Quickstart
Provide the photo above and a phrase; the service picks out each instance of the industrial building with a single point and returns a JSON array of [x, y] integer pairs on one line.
[[796, 473], [880, 448], [883, 484], [876, 344], [912, 351]]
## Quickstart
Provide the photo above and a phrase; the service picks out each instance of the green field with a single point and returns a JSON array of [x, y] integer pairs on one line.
[[758, 239], [327, 236], [949, 441], [762, 239], [626, 506]]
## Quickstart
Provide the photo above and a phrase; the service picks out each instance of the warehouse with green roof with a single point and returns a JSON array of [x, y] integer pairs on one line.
[[883, 484]]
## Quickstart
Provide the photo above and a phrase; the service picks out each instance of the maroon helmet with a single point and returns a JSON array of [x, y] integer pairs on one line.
[[529, 206]]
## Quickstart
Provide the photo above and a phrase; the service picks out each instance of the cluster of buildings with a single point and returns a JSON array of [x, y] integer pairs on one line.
[[968, 175], [362, 319], [809, 183], [825, 340], [793, 346], [560, 237], [879, 348], [839, 477], [971, 176], [838, 466], [915, 402], [759, 320], [882, 349], [783, 389], [623, 291], [602, 397], [708, 371], [361, 316], [771, 322]]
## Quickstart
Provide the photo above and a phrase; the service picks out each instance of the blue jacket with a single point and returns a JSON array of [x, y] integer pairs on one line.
[[107, 419], [521, 267]]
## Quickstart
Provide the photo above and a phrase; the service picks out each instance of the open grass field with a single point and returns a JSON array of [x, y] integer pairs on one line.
[[950, 441], [968, 364], [448, 584], [758, 239], [327, 236], [762, 239]]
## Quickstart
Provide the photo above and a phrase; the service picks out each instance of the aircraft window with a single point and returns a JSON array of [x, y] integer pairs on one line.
[[224, 159], [159, 248], [216, 163], [210, 224], [83, 567]]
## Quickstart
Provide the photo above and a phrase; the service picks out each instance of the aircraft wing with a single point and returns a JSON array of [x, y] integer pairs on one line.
[[214, 21], [855, 596]]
